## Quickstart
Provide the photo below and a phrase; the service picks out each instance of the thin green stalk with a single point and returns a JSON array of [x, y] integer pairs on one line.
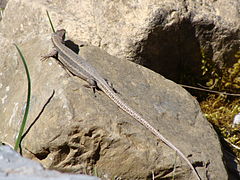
[[50, 22], [28, 100], [96, 172]]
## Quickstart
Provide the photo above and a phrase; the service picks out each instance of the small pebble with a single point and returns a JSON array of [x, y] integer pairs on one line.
[[236, 120]]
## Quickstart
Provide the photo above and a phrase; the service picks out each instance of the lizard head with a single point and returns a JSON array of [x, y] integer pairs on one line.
[[61, 33]]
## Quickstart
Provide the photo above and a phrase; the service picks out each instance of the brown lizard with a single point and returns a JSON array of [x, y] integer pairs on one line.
[[80, 67]]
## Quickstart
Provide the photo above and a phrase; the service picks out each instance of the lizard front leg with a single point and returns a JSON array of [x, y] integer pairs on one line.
[[92, 84], [53, 54]]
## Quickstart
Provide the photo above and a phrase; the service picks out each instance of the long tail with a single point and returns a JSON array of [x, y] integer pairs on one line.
[[112, 95]]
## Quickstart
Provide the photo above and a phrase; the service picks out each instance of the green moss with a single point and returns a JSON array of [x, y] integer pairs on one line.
[[227, 79], [221, 109]]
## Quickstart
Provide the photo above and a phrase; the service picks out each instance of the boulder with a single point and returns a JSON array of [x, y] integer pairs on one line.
[[169, 37]]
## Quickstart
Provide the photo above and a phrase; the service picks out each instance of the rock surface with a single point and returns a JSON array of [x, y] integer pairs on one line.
[[78, 131], [167, 36], [15, 167]]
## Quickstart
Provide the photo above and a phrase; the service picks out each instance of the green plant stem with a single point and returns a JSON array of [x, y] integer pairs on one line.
[[28, 100], [50, 22]]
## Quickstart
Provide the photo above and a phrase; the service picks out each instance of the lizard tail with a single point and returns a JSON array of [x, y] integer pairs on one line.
[[141, 120]]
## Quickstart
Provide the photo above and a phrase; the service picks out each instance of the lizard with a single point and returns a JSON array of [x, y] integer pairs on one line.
[[79, 67]]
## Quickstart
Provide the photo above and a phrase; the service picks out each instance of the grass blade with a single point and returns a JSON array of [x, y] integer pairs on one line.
[[28, 100], [50, 22]]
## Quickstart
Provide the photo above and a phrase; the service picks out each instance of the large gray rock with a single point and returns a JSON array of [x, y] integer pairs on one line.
[[15, 167], [78, 131], [166, 36]]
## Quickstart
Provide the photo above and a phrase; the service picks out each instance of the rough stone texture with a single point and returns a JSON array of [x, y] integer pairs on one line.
[[13, 166], [79, 131], [166, 36]]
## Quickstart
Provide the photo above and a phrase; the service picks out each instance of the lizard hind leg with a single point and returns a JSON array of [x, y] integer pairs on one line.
[[92, 84], [111, 85]]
